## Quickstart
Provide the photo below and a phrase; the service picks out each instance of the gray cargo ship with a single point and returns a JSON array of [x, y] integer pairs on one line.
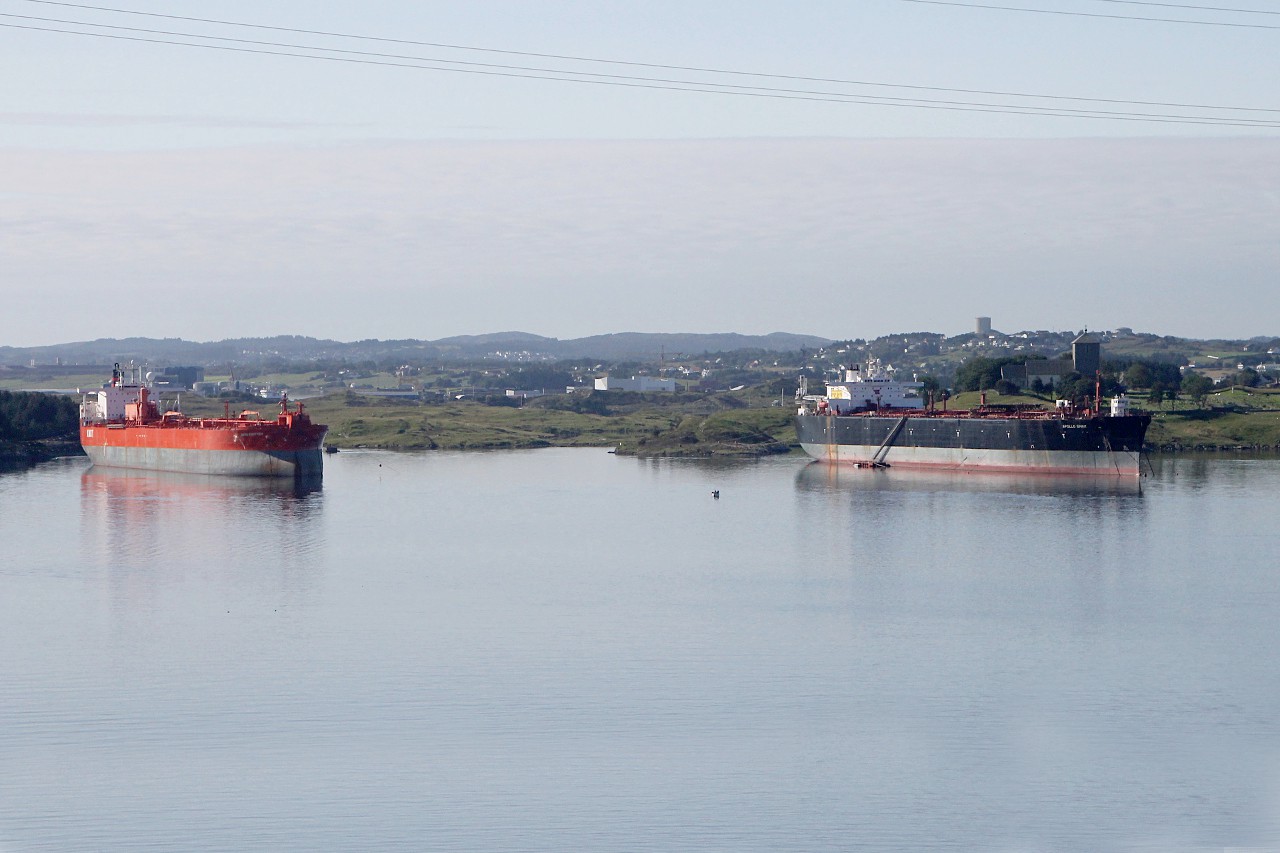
[[873, 420]]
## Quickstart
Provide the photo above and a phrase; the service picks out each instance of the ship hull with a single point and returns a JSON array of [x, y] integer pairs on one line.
[[1096, 446], [260, 452], [237, 463]]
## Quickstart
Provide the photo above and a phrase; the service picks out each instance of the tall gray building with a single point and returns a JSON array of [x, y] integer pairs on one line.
[[1086, 354]]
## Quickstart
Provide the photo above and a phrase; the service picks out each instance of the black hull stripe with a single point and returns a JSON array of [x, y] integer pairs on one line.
[[1100, 434]]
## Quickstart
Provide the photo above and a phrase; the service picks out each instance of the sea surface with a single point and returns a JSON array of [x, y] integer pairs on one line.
[[563, 650]]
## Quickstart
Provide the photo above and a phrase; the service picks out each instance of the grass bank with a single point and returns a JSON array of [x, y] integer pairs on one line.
[[639, 424]]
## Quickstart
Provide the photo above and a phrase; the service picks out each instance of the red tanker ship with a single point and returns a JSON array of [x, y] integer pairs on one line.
[[122, 427]]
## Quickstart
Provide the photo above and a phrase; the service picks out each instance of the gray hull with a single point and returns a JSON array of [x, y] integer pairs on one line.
[[239, 463], [1122, 463], [1087, 445]]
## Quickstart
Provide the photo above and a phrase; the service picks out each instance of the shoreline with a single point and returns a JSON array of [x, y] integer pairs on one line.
[[20, 455], [16, 457], [734, 434]]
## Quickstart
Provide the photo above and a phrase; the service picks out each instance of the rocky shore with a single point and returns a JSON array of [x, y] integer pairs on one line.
[[16, 455]]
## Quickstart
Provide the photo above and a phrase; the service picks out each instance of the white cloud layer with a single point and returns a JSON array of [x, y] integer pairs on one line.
[[835, 237]]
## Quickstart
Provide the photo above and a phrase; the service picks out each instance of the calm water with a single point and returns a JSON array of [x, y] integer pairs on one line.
[[566, 650]]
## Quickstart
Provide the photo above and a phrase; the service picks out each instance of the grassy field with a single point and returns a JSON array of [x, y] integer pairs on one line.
[[1236, 417], [358, 421], [57, 384], [1215, 429], [640, 424], [745, 432], [300, 384]]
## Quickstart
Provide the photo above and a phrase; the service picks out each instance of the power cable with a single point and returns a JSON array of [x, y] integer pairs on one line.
[[1093, 15], [1192, 8], [492, 69], [659, 66]]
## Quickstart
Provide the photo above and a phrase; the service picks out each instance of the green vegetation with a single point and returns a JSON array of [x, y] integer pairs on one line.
[[35, 379], [1237, 418], [643, 424], [979, 373], [34, 416], [35, 427], [749, 432]]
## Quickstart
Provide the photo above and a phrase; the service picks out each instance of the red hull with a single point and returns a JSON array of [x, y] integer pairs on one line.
[[213, 434]]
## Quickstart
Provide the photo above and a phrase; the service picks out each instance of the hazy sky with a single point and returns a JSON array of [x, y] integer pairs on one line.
[[163, 190]]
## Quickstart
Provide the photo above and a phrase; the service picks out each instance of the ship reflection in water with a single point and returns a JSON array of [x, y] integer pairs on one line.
[[146, 524], [820, 476], [128, 482]]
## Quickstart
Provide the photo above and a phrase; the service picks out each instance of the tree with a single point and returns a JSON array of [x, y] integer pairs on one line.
[[1075, 388], [1156, 397], [1083, 389], [1138, 375], [27, 416], [1248, 378], [1196, 386], [979, 373], [932, 387]]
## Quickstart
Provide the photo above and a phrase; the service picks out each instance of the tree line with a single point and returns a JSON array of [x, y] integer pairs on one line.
[[1163, 380], [28, 416]]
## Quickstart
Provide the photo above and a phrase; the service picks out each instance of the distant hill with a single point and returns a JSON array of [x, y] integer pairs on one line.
[[174, 351], [495, 339], [908, 347], [643, 345]]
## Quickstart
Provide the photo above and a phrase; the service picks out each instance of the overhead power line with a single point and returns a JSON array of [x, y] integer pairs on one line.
[[635, 64], [1192, 8], [1104, 15], [619, 62], [578, 75]]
